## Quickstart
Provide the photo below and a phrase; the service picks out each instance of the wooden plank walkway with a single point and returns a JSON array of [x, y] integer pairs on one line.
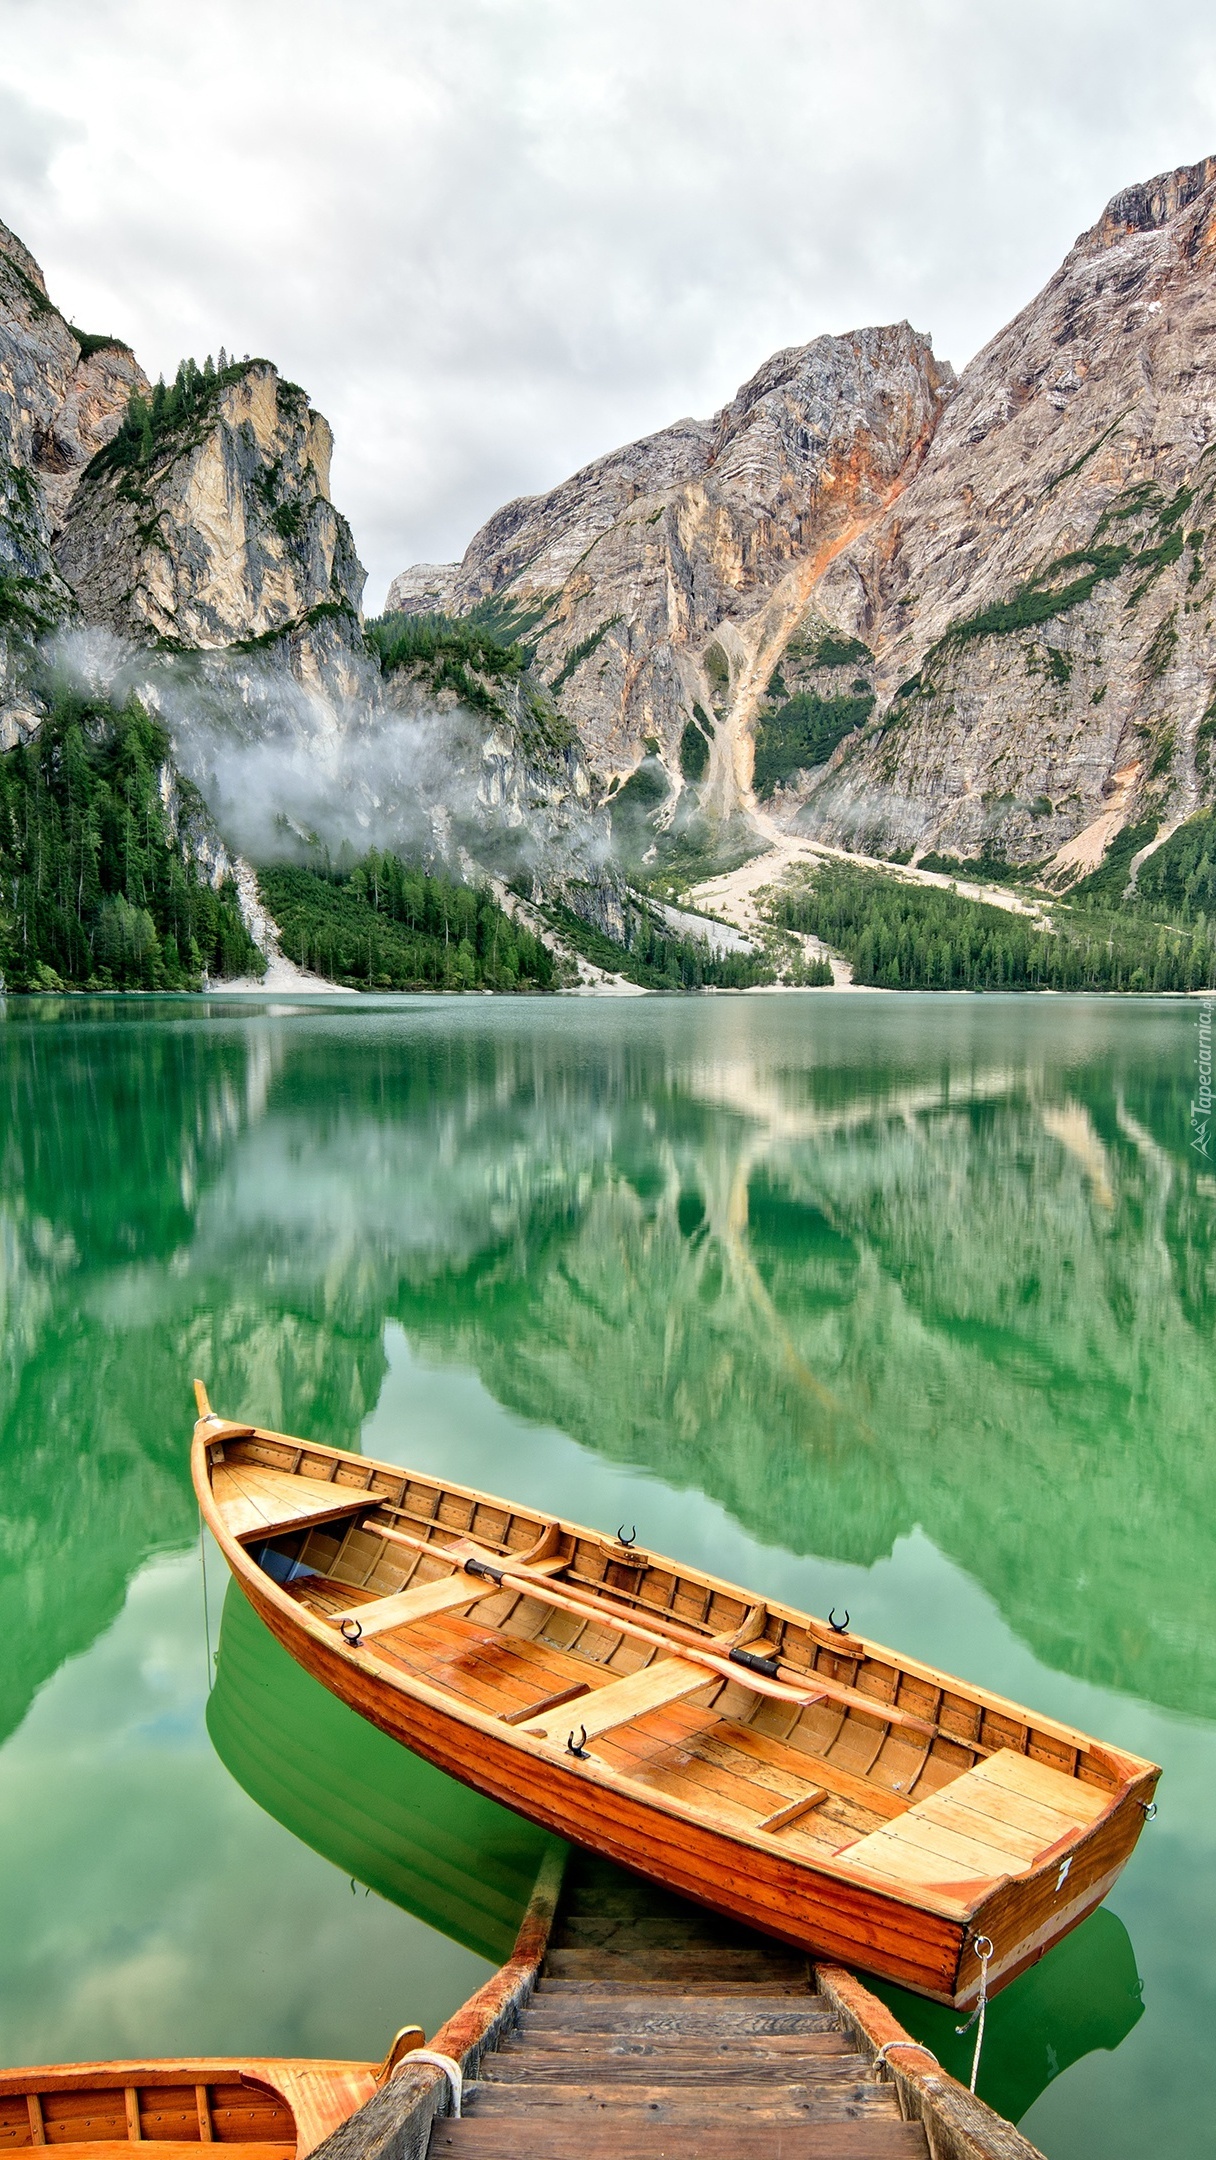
[[631, 2025], [657, 2029]]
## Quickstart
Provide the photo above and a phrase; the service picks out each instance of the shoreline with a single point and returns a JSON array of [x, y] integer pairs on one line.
[[245, 987]]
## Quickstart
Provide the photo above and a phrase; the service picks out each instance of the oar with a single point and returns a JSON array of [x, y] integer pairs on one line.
[[464, 1554], [463, 1550]]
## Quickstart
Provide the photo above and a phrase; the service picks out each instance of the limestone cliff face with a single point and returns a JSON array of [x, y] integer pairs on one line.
[[61, 398], [487, 768], [660, 584], [426, 588], [905, 613], [1040, 598], [218, 530], [213, 529]]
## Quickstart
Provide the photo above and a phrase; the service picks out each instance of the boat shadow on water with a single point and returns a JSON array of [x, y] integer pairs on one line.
[[466, 1866], [1082, 1998], [452, 1858]]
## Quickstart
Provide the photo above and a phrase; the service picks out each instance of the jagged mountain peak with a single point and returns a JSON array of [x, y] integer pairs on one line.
[[663, 580], [19, 255], [1045, 572], [854, 498], [1150, 204]]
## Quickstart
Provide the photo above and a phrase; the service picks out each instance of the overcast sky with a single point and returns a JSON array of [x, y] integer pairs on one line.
[[494, 238]]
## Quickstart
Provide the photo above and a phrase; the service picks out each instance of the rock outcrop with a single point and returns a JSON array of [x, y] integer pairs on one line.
[[211, 526], [482, 762], [62, 395], [1039, 601], [427, 588], [660, 585], [904, 613]]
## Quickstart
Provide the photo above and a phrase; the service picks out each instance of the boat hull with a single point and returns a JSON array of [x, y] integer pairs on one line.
[[898, 1937], [252, 2107]]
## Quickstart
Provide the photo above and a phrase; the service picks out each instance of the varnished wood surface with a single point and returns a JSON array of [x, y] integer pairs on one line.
[[659, 2030], [257, 2108], [261, 1502], [890, 1845]]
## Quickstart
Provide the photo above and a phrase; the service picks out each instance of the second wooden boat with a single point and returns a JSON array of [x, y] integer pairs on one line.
[[802, 1779], [256, 2107]]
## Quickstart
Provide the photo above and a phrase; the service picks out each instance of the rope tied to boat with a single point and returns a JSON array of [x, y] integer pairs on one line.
[[451, 2070], [881, 2057], [982, 1946]]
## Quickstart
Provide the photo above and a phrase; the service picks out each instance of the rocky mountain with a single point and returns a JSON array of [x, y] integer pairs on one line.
[[896, 610], [865, 601], [192, 525], [661, 584], [195, 516], [62, 393], [206, 523], [1040, 599]]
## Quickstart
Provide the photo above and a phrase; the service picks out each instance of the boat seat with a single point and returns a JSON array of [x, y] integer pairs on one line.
[[1003, 1817], [377, 1615], [665, 1681], [257, 1502]]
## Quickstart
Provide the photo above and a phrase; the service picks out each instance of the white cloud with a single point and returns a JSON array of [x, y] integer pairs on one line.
[[29, 139], [496, 237]]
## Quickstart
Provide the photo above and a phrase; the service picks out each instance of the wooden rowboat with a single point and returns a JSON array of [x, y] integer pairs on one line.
[[256, 2107], [804, 1780]]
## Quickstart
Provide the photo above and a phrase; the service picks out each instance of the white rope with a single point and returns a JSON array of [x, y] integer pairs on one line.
[[450, 2068], [982, 1946], [887, 2045]]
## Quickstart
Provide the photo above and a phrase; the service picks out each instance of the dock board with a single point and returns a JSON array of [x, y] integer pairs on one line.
[[630, 2025], [657, 2029]]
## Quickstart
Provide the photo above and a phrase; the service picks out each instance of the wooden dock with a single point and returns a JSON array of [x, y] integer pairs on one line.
[[631, 2025], [656, 2030]]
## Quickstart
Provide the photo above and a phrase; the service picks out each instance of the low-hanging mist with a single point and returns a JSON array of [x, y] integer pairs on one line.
[[290, 774]]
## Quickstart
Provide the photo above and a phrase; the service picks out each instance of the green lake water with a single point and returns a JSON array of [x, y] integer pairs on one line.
[[901, 1304]]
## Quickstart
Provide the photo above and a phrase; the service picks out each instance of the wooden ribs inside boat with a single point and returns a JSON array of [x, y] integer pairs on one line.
[[807, 1781], [258, 2109]]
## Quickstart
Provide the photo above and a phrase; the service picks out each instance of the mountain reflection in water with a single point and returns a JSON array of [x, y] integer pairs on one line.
[[910, 1295], [846, 1281]]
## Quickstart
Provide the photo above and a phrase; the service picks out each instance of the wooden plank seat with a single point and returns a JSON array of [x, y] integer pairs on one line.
[[692, 1751], [793, 1811], [449, 1594], [1004, 1817], [667, 1680], [257, 1502]]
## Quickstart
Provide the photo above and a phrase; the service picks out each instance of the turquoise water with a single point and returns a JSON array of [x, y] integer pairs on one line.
[[904, 1304]]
